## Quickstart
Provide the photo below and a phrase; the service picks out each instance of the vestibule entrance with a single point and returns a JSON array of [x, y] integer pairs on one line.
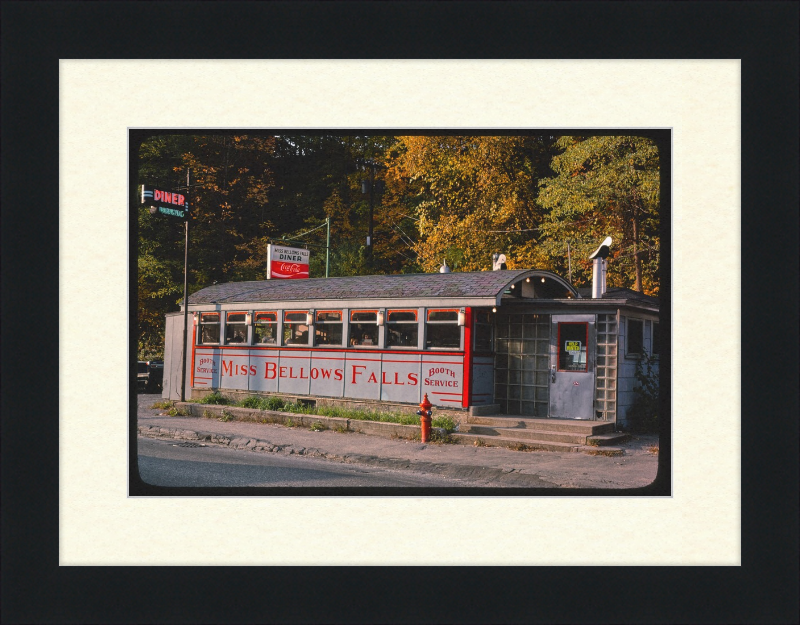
[[522, 364]]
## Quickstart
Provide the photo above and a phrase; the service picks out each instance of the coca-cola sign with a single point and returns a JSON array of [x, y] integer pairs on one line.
[[286, 263]]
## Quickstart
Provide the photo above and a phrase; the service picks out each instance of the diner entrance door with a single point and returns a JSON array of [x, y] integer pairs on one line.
[[572, 367]]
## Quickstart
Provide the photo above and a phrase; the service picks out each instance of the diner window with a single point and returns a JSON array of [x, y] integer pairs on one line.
[[236, 327], [265, 329], [635, 337], [363, 328], [295, 328], [209, 328], [328, 328], [402, 328], [483, 331], [443, 329], [656, 339]]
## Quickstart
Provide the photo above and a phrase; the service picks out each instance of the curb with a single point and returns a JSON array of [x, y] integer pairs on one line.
[[509, 477], [291, 419]]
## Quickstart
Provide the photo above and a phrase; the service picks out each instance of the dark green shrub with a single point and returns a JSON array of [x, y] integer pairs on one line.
[[275, 403], [643, 415], [214, 399]]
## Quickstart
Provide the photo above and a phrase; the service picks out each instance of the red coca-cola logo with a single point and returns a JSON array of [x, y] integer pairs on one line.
[[289, 267]]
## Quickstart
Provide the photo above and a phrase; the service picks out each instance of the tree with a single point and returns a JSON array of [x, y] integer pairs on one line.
[[473, 195], [606, 185], [230, 184]]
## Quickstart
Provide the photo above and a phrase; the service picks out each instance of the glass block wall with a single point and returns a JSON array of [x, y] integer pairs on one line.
[[522, 356], [605, 403]]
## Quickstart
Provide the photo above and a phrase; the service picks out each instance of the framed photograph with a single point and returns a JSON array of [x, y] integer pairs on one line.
[[77, 547]]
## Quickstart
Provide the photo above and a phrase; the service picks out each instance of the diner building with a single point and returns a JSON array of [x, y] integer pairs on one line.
[[513, 342]]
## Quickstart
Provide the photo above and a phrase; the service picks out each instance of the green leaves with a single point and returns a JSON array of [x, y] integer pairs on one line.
[[608, 186]]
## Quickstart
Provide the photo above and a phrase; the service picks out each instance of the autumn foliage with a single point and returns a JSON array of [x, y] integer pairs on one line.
[[544, 201]]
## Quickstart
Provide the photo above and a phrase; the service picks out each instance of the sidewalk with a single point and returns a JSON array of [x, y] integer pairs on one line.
[[479, 466]]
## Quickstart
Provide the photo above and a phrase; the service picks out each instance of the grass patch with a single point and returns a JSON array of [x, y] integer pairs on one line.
[[214, 399], [280, 405], [162, 404], [225, 416], [444, 422], [178, 412], [317, 427]]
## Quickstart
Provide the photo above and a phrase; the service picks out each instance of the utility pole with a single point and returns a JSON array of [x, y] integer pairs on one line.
[[185, 296], [371, 213], [328, 247]]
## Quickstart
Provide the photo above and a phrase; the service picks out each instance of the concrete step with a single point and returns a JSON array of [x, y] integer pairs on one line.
[[607, 439], [513, 443], [558, 425], [577, 438]]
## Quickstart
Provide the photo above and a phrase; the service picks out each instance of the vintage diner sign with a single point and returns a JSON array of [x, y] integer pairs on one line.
[[286, 263], [165, 202], [385, 376]]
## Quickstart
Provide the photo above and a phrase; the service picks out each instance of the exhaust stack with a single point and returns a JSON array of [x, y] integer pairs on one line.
[[599, 265]]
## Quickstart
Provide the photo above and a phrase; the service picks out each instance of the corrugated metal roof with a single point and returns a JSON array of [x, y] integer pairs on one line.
[[401, 286]]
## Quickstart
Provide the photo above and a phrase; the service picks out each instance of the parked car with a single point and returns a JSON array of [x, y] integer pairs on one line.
[[156, 370], [142, 375], [149, 375]]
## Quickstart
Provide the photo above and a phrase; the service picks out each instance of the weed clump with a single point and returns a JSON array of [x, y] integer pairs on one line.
[[215, 399], [444, 422], [162, 404]]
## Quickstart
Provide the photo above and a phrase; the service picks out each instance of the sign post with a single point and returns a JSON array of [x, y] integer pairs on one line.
[[174, 204]]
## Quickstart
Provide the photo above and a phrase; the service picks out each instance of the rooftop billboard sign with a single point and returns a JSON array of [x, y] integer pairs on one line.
[[286, 263]]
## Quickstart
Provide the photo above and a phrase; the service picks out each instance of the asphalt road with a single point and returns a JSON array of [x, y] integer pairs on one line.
[[166, 463]]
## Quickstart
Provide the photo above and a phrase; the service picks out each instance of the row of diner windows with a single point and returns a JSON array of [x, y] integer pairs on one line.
[[327, 328]]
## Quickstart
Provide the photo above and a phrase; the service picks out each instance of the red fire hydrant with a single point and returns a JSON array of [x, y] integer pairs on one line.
[[424, 413]]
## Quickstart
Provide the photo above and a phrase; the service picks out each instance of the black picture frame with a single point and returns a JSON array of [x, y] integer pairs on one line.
[[764, 589]]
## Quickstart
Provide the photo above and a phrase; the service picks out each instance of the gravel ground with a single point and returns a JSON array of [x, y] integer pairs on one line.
[[481, 466]]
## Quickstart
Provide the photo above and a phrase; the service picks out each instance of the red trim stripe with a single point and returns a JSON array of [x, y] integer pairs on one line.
[[467, 371], [194, 342]]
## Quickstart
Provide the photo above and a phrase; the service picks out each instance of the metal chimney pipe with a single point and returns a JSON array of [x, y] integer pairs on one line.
[[598, 259], [598, 278]]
